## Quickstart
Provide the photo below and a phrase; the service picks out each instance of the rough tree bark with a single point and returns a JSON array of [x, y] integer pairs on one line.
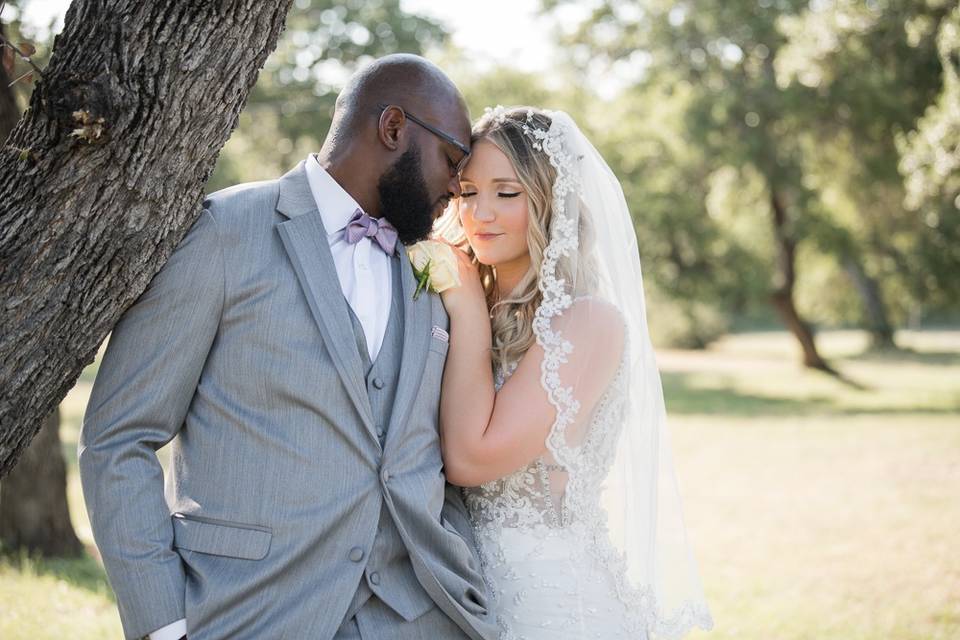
[[104, 174], [34, 512], [782, 295]]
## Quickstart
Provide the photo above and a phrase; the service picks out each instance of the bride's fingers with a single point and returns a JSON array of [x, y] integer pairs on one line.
[[466, 261], [462, 256]]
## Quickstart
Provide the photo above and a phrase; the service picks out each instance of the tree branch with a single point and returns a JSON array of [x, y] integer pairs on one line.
[[6, 43]]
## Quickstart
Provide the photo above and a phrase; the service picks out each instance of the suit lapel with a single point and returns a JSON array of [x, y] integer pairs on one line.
[[416, 341], [305, 240]]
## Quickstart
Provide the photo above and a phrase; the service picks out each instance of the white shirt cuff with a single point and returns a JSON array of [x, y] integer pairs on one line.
[[173, 631]]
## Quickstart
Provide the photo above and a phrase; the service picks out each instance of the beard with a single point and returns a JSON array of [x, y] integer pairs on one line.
[[404, 199]]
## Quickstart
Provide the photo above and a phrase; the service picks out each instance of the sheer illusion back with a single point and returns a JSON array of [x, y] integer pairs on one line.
[[542, 494]]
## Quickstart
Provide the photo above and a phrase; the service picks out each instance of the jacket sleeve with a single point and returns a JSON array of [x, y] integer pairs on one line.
[[147, 379]]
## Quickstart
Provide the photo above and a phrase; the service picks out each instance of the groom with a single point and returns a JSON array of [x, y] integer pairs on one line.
[[281, 350]]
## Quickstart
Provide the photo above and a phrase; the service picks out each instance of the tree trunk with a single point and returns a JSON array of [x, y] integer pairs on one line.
[[104, 174], [785, 278], [875, 311], [33, 498]]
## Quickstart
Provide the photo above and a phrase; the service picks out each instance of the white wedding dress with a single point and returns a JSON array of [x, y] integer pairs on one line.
[[588, 541], [542, 541]]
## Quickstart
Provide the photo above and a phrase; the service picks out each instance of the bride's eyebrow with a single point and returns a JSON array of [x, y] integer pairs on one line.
[[513, 180]]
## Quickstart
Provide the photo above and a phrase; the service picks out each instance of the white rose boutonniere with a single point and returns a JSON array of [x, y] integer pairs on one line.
[[435, 266]]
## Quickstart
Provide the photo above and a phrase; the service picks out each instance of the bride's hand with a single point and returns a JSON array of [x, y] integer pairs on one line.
[[470, 292]]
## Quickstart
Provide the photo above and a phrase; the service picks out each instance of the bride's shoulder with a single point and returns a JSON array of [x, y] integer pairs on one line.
[[596, 323], [594, 309]]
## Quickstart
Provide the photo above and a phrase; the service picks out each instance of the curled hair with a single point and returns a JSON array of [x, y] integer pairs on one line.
[[511, 316]]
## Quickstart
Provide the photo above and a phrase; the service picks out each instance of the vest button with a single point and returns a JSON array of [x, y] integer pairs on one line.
[[356, 554], [374, 578], [385, 475], [379, 432], [378, 383]]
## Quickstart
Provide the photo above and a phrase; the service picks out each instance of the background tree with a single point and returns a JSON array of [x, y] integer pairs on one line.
[[291, 106], [34, 513], [781, 114], [930, 165], [872, 70], [105, 173], [721, 55]]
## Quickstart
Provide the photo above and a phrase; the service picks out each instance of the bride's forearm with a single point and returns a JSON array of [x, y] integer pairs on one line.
[[467, 396]]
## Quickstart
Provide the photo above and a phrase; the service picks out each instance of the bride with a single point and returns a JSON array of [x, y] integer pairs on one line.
[[552, 415]]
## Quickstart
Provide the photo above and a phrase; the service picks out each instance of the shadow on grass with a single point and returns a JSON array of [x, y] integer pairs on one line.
[[83, 572], [907, 356], [683, 397]]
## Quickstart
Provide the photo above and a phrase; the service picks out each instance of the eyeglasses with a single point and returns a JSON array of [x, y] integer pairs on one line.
[[437, 132]]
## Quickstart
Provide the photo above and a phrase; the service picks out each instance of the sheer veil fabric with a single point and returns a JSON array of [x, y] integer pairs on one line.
[[606, 489]]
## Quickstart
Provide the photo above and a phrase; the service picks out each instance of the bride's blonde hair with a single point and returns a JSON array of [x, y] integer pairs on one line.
[[511, 317]]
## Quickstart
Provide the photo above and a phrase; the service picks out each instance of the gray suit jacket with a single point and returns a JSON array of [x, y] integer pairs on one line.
[[241, 351]]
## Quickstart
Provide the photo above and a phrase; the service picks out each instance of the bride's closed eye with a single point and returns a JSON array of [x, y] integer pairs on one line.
[[508, 195], [467, 194]]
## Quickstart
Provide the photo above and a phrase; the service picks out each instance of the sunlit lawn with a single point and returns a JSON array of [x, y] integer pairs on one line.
[[818, 510]]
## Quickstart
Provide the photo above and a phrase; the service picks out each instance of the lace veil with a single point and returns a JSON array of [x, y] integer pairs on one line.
[[592, 253]]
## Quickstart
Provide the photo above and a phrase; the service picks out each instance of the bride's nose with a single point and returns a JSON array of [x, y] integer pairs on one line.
[[483, 213]]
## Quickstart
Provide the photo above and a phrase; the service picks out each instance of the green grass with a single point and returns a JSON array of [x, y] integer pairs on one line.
[[55, 599], [818, 509]]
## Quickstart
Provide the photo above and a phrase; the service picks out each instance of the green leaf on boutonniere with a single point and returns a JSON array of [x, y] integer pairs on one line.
[[422, 278]]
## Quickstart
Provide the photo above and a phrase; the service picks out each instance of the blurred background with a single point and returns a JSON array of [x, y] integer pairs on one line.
[[793, 172]]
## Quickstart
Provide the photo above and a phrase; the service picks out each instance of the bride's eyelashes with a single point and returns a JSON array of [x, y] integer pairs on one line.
[[470, 194]]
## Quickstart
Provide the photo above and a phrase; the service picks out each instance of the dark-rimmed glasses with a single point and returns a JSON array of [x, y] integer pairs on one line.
[[437, 132]]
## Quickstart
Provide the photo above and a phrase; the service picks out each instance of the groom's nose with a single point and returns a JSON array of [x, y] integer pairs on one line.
[[454, 186]]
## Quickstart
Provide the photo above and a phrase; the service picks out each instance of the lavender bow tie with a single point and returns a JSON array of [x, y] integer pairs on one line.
[[363, 226]]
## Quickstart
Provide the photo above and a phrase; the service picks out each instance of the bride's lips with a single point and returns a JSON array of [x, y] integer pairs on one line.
[[487, 236]]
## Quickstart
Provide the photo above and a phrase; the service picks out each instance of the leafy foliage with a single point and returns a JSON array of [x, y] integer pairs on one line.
[[291, 107], [728, 102]]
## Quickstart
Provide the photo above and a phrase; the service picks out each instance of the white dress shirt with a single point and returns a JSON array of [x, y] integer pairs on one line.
[[363, 268], [364, 273], [173, 631]]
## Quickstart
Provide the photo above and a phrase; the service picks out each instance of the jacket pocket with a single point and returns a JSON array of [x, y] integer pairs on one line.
[[439, 346], [220, 538]]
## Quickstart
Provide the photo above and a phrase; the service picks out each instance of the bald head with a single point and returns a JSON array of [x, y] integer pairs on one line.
[[402, 79]]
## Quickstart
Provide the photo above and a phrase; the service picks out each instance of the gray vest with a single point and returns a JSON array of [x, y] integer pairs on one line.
[[388, 574]]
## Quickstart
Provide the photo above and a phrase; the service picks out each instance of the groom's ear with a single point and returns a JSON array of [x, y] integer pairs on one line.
[[391, 128]]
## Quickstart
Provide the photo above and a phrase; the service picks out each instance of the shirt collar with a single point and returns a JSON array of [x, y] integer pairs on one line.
[[336, 205]]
